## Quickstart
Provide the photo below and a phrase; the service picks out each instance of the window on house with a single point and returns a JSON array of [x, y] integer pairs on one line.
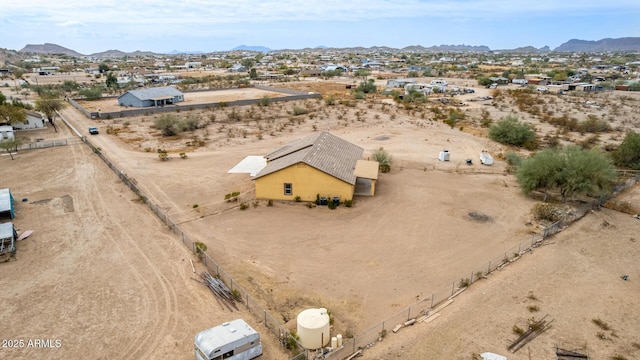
[[288, 189]]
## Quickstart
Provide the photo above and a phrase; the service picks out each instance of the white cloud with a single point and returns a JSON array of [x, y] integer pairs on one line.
[[71, 23]]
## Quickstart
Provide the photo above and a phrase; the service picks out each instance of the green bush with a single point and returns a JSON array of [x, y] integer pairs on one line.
[[628, 153], [509, 130], [297, 110], [383, 157]]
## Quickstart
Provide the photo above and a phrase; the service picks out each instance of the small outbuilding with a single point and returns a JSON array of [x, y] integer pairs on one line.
[[6, 132], [34, 120], [151, 97], [8, 238], [6, 204]]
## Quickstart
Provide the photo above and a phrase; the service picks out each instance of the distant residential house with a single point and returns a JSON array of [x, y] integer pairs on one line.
[[399, 83], [499, 80], [156, 96], [237, 68], [335, 67], [34, 120], [6, 132]]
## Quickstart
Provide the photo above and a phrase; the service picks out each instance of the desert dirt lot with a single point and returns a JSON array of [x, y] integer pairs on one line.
[[100, 273], [364, 264]]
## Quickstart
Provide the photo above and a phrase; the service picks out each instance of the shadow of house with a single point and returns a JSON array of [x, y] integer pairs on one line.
[[151, 97]]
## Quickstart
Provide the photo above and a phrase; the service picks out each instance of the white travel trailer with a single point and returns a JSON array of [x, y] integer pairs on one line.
[[439, 82], [233, 340]]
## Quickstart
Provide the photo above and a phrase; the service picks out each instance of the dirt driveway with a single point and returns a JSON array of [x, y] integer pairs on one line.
[[100, 277]]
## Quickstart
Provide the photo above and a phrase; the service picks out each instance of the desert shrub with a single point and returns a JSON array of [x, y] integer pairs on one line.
[[244, 206], [330, 100], [331, 205], [367, 87], [546, 212], [265, 101], [270, 202], [190, 124], [383, 157], [464, 283], [570, 170], [168, 124], [297, 198], [517, 330], [628, 153], [593, 125], [509, 130], [348, 203], [359, 95], [292, 340], [234, 115], [297, 110], [233, 196], [533, 308], [513, 159], [200, 248]]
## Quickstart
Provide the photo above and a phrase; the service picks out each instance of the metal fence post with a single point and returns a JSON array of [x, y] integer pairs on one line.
[[489, 268], [453, 287], [432, 295]]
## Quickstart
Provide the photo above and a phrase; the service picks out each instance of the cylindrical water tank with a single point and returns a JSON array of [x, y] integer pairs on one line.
[[339, 338], [334, 342], [313, 328]]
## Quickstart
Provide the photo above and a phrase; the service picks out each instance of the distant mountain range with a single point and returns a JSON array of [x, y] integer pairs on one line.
[[574, 45], [620, 44]]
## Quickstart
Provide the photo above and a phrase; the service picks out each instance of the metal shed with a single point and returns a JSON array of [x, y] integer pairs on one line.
[[156, 96], [6, 203]]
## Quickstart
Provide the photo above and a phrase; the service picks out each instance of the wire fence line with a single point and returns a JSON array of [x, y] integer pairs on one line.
[[427, 304], [260, 314], [48, 144], [422, 307]]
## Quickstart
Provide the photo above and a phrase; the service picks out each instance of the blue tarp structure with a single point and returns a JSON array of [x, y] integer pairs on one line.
[[6, 203]]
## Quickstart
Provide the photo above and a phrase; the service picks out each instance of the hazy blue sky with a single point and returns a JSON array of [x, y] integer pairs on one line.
[[90, 26]]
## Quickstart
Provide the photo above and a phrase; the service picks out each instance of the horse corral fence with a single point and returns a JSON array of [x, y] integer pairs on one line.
[[292, 96], [413, 314]]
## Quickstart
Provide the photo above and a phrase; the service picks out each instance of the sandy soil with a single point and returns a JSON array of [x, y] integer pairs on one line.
[[100, 274], [364, 263]]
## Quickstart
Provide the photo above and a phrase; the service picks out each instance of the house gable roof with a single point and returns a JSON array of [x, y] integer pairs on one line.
[[323, 151], [162, 92]]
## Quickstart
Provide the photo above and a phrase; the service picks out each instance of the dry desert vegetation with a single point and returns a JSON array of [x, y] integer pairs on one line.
[[106, 277]]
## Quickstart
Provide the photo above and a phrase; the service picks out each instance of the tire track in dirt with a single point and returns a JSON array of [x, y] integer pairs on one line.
[[161, 305]]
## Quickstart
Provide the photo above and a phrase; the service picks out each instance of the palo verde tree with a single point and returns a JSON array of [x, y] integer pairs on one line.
[[628, 153], [10, 145], [112, 81], [571, 170], [509, 130], [49, 104]]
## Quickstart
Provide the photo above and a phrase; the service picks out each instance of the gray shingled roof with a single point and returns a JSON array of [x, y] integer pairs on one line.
[[323, 151], [155, 93]]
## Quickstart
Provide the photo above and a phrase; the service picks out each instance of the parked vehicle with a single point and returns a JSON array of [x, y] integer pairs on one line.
[[93, 130]]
